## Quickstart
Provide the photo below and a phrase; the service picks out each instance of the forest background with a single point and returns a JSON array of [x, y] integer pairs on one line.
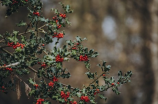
[[124, 32]]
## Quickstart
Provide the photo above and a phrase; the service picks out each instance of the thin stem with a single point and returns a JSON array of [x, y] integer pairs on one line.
[[96, 79], [28, 25]]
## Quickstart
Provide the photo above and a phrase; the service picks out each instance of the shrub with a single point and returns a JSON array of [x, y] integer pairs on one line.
[[28, 45]]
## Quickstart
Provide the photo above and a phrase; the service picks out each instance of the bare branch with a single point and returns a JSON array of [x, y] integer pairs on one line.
[[10, 65], [96, 79]]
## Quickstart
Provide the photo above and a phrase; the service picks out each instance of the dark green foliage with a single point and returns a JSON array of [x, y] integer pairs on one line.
[[40, 32]]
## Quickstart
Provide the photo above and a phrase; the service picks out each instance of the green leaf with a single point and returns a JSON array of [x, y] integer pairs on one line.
[[31, 81], [21, 23], [6, 2], [102, 96], [32, 92], [84, 90], [78, 39], [18, 49], [120, 73], [46, 102], [15, 32], [54, 97], [43, 19], [90, 75], [92, 101], [78, 94]]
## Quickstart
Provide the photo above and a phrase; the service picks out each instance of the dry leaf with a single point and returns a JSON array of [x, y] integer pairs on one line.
[[18, 90], [12, 78], [34, 77], [27, 89]]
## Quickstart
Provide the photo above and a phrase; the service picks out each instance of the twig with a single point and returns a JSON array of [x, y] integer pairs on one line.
[[13, 64], [96, 79], [18, 78], [28, 25]]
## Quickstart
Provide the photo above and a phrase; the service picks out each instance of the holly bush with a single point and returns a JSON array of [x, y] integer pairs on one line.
[[26, 48]]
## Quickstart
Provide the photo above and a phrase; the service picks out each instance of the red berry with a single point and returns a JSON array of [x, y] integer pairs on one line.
[[97, 90], [39, 101], [59, 26], [112, 84], [3, 87], [104, 75], [51, 84], [36, 13], [74, 48], [36, 86]]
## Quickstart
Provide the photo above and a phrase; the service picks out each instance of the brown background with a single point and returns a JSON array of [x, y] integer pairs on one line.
[[124, 32]]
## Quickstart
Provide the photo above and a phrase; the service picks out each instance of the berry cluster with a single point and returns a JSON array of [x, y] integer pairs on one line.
[[113, 84], [9, 69], [50, 84], [83, 58], [64, 96], [59, 58], [16, 45], [63, 15], [74, 102], [57, 22], [55, 79], [59, 26], [3, 88], [54, 18], [43, 65], [60, 35], [14, 2], [39, 101], [85, 98], [96, 92], [36, 13], [75, 47]]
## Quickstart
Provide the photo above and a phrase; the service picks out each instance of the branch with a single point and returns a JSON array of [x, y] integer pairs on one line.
[[96, 79], [40, 28], [17, 63], [10, 65]]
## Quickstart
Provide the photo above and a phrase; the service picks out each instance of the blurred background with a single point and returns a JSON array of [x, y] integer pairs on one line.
[[124, 32]]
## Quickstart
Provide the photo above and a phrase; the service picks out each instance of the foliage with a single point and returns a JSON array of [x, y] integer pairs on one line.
[[27, 46]]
